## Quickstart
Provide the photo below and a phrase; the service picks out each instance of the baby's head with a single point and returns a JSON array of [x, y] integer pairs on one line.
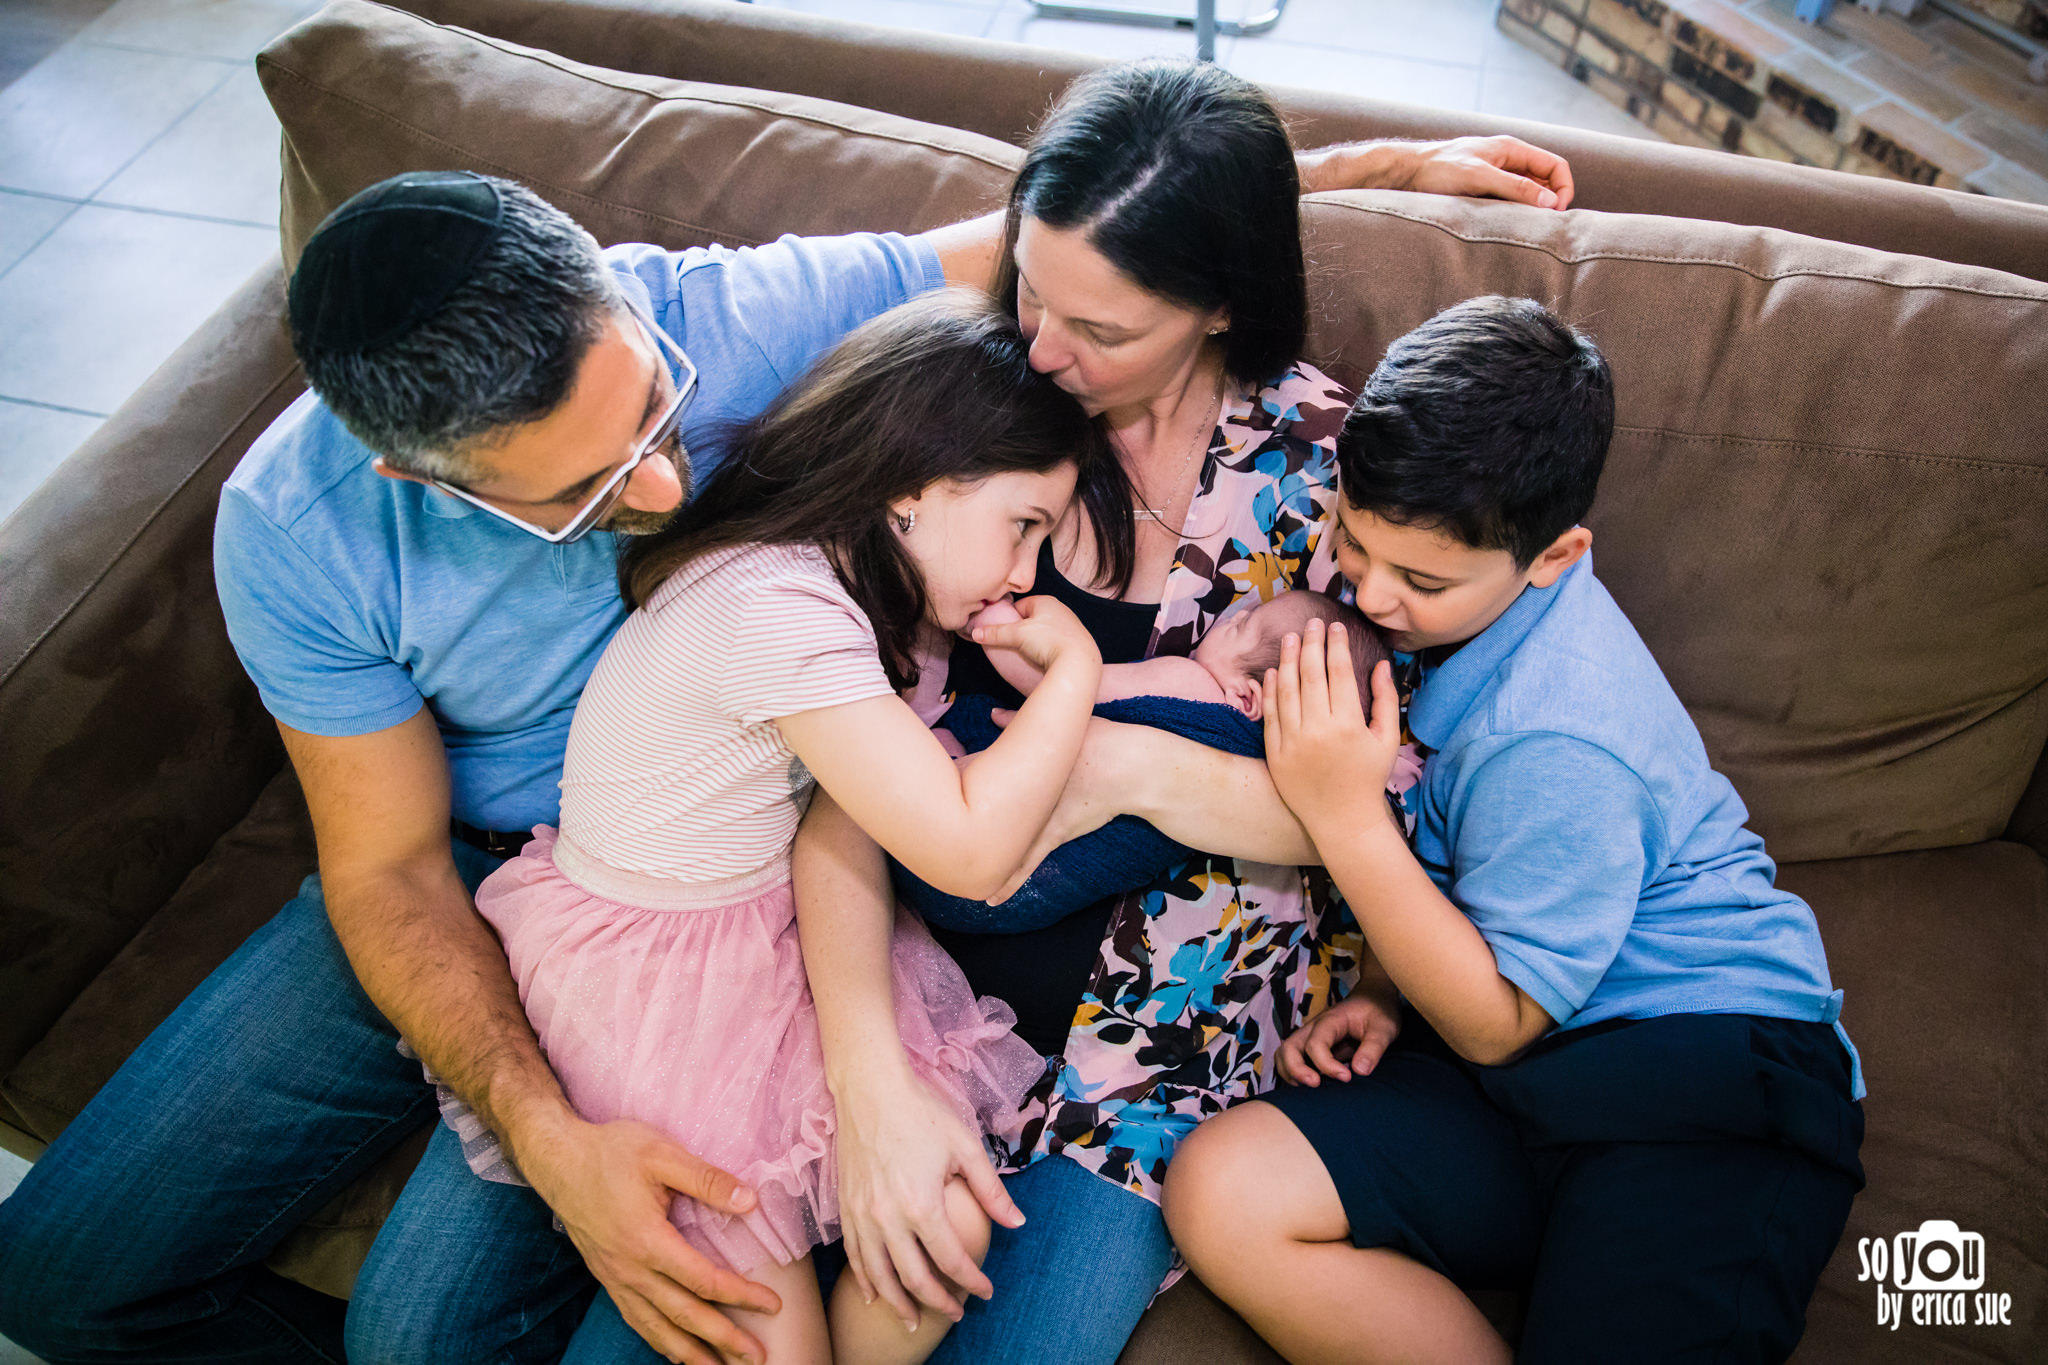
[[1239, 649]]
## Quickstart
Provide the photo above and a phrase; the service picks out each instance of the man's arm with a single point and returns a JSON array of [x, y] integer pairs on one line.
[[1498, 167], [380, 806]]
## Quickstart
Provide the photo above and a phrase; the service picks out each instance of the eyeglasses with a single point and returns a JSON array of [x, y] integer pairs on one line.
[[605, 498]]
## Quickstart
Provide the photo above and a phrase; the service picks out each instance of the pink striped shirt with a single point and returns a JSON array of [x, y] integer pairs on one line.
[[675, 766]]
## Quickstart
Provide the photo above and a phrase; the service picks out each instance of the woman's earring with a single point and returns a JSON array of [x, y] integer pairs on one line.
[[905, 520], [1219, 329]]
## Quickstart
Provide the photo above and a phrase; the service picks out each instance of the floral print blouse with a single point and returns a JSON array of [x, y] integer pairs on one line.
[[1206, 971]]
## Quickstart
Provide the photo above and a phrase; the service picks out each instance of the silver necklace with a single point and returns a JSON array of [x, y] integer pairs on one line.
[[1203, 435]]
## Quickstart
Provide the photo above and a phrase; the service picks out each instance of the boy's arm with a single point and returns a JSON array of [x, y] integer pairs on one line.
[[1548, 868]]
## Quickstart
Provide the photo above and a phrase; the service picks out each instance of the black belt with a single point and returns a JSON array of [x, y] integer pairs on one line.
[[496, 842]]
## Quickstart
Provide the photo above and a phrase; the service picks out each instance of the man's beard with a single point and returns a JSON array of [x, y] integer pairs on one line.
[[631, 521]]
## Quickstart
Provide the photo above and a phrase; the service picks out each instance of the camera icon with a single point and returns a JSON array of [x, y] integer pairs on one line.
[[1939, 1256]]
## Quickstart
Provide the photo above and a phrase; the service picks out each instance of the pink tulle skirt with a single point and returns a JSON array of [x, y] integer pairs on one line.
[[685, 1006]]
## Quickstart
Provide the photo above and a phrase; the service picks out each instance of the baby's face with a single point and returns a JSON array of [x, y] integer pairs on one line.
[[1231, 641]]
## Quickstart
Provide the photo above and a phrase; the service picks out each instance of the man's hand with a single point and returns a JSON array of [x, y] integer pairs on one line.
[[1498, 167], [1330, 765], [611, 1185], [898, 1144]]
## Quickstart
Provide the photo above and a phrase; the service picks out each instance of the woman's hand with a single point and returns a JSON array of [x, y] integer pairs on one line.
[[898, 1144], [1045, 631], [1498, 167], [1330, 764]]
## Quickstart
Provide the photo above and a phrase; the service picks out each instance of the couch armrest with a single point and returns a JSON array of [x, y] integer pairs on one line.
[[2029, 823], [129, 737], [1001, 90]]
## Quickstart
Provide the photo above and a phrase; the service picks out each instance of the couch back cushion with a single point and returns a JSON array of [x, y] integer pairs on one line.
[[365, 92], [1826, 507], [1826, 504]]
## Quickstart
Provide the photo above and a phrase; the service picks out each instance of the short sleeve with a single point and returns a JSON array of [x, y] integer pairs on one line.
[[801, 644], [1552, 839], [753, 319], [799, 295], [297, 636]]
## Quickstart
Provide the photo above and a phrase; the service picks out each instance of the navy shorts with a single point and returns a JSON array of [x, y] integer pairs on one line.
[[1664, 1189]]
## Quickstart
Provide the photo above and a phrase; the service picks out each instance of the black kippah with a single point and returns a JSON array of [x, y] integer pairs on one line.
[[386, 259]]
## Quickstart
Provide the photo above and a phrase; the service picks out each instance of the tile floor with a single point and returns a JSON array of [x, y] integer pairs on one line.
[[138, 159]]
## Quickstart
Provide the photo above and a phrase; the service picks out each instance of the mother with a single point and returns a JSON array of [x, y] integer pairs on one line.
[[1153, 255]]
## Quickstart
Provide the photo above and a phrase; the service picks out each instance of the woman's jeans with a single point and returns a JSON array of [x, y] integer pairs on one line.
[[140, 1234], [1070, 1285]]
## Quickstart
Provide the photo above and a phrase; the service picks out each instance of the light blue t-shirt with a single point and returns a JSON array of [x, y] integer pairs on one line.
[[1569, 809], [353, 599]]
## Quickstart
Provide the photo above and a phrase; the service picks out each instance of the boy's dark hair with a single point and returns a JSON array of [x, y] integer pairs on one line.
[[1182, 176], [1489, 421], [940, 387]]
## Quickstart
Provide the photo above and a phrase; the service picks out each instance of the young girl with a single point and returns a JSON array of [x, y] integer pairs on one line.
[[903, 484]]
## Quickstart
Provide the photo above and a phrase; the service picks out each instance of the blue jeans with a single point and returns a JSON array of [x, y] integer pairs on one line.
[[141, 1233], [1070, 1284]]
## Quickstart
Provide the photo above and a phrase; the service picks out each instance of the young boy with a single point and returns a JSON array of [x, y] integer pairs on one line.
[[1619, 1084]]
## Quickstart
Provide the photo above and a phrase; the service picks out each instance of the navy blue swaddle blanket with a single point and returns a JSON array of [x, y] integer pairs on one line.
[[1123, 855]]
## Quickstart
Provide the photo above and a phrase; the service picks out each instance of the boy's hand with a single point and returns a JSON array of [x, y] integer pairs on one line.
[[1343, 1041], [1326, 760], [1044, 631]]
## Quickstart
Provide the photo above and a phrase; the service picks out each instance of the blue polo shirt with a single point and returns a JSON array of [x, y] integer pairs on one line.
[[1570, 811], [353, 599]]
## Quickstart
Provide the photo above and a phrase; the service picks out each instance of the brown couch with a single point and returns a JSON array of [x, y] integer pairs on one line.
[[1826, 509]]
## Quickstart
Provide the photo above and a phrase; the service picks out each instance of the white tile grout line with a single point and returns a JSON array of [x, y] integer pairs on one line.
[[48, 233], [234, 64], [168, 128], [53, 407], [133, 208]]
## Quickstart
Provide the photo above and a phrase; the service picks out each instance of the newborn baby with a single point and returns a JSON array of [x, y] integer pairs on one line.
[[1213, 697], [1226, 667]]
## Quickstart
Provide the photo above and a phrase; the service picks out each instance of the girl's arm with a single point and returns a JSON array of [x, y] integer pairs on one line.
[[1199, 796], [963, 831], [897, 1143]]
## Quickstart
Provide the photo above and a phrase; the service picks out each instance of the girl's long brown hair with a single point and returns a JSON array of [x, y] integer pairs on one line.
[[939, 388]]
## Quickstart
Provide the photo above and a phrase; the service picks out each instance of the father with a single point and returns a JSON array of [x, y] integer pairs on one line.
[[416, 563]]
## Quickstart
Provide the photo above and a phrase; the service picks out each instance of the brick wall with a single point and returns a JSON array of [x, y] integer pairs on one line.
[[1709, 74]]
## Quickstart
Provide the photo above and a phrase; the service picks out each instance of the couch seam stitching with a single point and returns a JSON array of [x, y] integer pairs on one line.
[[148, 521], [524, 177], [562, 64], [564, 191], [1602, 255], [1867, 452]]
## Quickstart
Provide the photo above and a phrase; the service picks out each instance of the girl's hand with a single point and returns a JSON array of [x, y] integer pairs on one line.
[[1045, 631], [898, 1144], [1343, 1041], [1000, 612], [1330, 765]]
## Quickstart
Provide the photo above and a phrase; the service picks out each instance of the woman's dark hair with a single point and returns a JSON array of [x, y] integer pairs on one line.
[[1182, 176], [939, 388], [1491, 421]]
